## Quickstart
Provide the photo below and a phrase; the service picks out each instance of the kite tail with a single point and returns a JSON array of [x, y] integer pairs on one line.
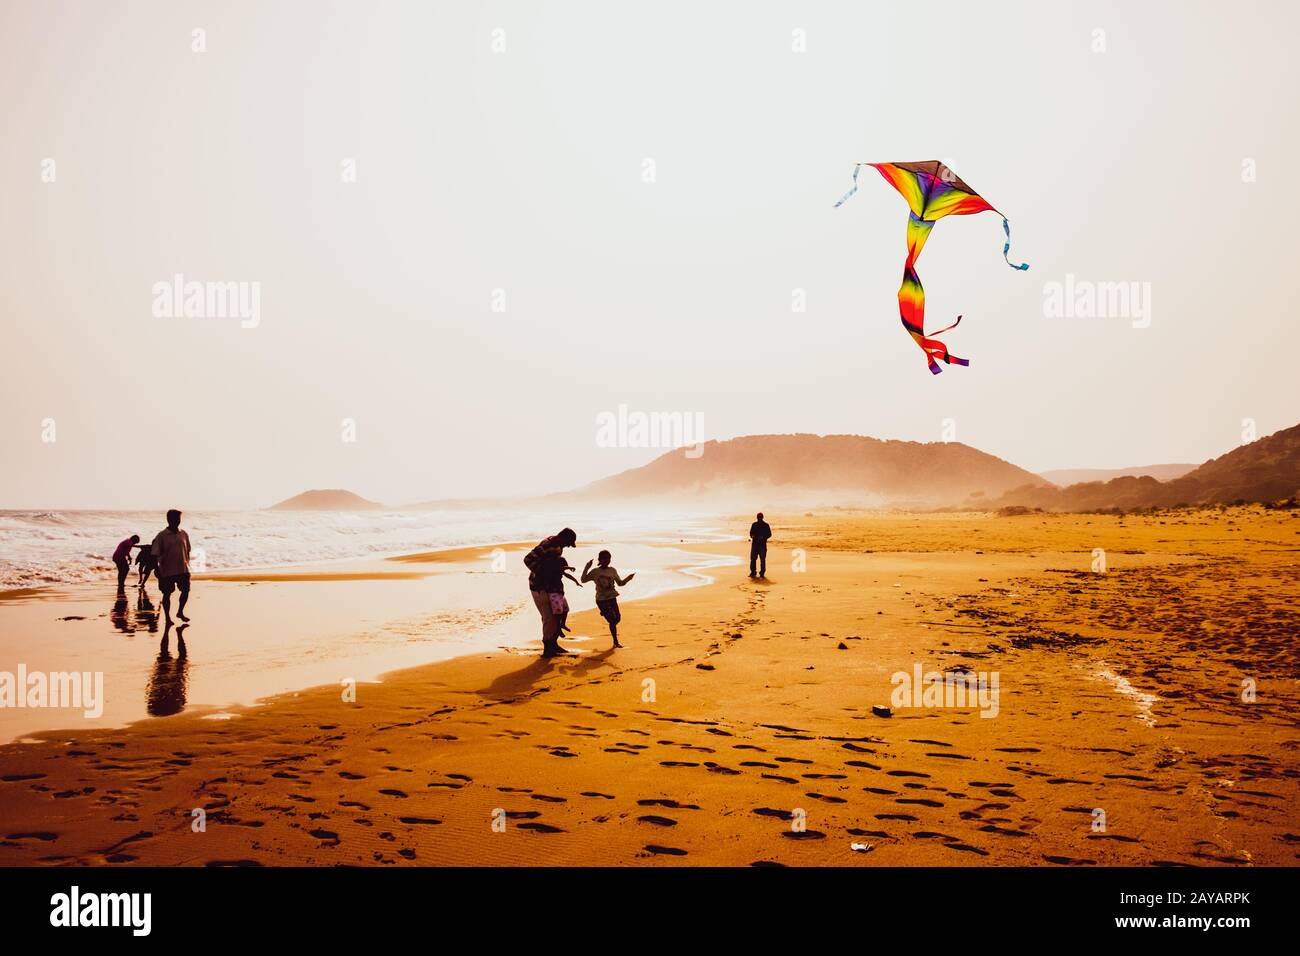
[[845, 197], [1006, 246], [911, 301]]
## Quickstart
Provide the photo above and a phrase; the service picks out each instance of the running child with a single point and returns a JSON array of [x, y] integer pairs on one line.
[[606, 594]]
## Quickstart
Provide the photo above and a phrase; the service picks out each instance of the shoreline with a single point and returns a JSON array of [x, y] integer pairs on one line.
[[443, 564]]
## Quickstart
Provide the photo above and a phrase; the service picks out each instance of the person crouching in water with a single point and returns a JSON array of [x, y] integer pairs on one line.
[[122, 559], [606, 595]]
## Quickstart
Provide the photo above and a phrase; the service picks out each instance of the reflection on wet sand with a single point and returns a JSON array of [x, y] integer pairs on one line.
[[165, 692], [145, 616], [316, 626]]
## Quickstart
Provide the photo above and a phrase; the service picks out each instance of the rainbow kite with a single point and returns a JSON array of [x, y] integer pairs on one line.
[[932, 191]]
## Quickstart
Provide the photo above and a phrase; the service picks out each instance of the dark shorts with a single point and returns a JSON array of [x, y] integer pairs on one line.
[[609, 610], [173, 581]]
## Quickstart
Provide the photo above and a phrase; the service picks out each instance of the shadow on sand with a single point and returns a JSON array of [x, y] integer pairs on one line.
[[522, 682]]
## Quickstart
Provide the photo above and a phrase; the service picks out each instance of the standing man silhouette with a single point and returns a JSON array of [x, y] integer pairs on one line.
[[171, 548], [759, 532], [546, 567]]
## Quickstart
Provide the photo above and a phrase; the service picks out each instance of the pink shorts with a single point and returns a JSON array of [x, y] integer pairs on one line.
[[558, 604]]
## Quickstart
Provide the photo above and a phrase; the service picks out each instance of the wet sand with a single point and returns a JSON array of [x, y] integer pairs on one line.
[[737, 726], [263, 632]]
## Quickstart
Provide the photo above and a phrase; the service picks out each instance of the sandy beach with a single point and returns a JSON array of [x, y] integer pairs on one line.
[[737, 726]]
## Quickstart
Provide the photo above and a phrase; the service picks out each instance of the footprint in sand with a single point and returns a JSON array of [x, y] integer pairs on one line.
[[1002, 831], [1068, 861], [596, 793], [394, 793], [670, 804], [657, 821], [539, 827], [548, 799], [677, 763], [803, 834], [420, 821], [770, 812], [657, 850], [67, 794], [966, 848], [826, 798]]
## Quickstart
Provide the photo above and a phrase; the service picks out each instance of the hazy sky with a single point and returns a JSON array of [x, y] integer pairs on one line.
[[1120, 138]]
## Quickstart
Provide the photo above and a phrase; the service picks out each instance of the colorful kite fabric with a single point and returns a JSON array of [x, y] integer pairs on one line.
[[932, 191]]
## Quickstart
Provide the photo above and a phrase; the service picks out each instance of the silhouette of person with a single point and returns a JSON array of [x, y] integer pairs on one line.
[[759, 532], [145, 563], [171, 549], [546, 566], [165, 693], [122, 558]]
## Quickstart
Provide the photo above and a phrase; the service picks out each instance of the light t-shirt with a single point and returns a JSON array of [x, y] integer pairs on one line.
[[605, 579], [172, 549]]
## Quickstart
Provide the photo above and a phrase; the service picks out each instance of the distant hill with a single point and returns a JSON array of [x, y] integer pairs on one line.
[[1265, 470], [332, 499], [1073, 476], [831, 469]]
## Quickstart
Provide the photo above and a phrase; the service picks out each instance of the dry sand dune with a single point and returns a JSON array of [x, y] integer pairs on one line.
[[737, 726]]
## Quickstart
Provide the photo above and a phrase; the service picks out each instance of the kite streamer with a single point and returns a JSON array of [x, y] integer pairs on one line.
[[932, 191]]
